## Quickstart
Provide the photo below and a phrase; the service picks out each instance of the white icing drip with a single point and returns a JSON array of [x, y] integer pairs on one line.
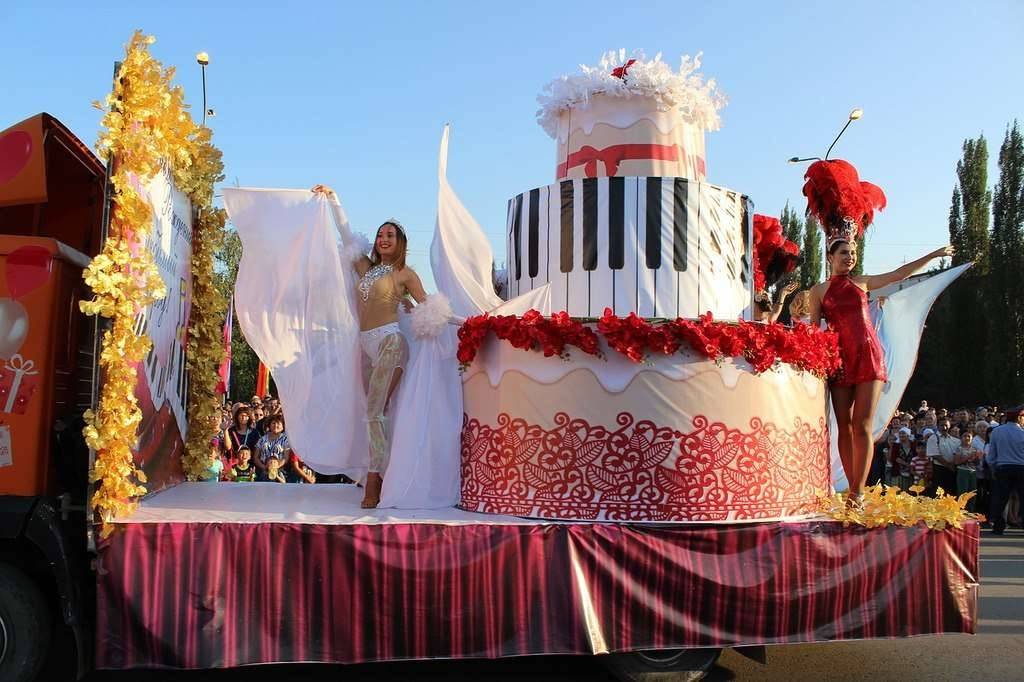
[[619, 112], [616, 372]]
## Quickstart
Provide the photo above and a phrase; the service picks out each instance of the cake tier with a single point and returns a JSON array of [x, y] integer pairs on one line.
[[608, 136], [682, 440], [657, 246]]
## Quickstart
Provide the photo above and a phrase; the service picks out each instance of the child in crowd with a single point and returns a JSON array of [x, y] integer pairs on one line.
[[216, 466], [900, 455], [274, 443], [243, 470], [921, 466], [300, 472], [968, 453], [273, 472]]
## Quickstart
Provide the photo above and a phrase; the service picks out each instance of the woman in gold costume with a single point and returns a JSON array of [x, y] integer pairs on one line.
[[385, 282]]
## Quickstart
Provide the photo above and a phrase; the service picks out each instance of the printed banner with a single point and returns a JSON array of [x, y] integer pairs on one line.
[[163, 381]]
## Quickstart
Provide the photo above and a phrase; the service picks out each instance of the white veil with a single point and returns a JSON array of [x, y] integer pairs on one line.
[[296, 307]]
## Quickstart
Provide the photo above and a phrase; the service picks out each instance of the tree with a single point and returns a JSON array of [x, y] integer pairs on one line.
[[971, 235], [930, 380], [956, 222], [810, 271], [791, 224], [956, 363], [243, 360], [1006, 272], [858, 267], [967, 327]]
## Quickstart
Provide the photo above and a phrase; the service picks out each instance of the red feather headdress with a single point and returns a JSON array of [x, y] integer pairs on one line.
[[838, 198], [774, 255]]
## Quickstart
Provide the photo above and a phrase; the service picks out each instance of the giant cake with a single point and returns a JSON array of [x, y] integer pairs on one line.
[[632, 225]]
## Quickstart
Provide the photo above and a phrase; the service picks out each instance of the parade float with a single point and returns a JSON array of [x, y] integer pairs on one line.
[[641, 463]]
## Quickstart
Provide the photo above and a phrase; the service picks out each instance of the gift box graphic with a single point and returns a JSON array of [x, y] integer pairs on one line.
[[18, 381]]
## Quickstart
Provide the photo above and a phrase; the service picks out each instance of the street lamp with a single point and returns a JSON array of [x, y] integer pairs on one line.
[[855, 114], [203, 60]]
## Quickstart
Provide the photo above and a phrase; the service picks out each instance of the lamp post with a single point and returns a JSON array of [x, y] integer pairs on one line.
[[203, 60], [854, 115]]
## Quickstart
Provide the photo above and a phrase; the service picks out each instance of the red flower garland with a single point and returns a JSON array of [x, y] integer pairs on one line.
[[762, 345], [532, 331]]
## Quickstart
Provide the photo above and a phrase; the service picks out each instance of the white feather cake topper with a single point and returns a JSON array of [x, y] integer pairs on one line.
[[617, 75]]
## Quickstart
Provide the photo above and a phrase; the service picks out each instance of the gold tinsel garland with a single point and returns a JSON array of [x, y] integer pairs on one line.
[[147, 126], [205, 350], [882, 505]]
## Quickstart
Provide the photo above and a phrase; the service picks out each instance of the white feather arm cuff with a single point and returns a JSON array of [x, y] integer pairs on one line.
[[430, 318], [356, 249]]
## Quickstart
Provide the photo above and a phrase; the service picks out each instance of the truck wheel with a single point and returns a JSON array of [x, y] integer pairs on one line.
[[677, 665], [24, 626]]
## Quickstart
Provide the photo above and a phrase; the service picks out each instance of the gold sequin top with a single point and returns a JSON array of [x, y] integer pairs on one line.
[[378, 296]]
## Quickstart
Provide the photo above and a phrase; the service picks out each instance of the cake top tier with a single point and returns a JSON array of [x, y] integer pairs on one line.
[[697, 100]]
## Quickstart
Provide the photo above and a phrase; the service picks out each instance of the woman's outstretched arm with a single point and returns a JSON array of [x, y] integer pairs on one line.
[[904, 271], [348, 239]]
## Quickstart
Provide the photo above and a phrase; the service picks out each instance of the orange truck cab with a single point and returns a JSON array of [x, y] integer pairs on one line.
[[51, 224]]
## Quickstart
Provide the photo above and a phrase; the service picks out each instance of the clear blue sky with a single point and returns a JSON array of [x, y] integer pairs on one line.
[[355, 95]]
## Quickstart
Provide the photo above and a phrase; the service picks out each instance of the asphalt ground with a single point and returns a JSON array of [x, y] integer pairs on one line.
[[996, 652]]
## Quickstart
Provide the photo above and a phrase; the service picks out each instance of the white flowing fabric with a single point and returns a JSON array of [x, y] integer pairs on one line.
[[460, 255], [424, 470], [899, 322], [538, 299], [309, 340]]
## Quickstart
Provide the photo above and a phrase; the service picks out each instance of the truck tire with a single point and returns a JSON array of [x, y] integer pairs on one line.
[[675, 665], [24, 626]]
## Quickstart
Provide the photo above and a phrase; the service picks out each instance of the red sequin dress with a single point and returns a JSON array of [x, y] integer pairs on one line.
[[845, 308]]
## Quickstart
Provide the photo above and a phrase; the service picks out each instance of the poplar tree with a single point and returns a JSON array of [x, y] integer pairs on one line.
[[967, 330], [1005, 291], [810, 271], [971, 235], [791, 224]]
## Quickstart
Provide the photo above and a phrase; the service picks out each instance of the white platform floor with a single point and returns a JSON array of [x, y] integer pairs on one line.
[[291, 503]]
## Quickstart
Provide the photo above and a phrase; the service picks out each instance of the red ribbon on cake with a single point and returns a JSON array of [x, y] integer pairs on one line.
[[612, 156]]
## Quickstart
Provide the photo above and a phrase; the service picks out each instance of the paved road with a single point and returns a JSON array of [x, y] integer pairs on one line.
[[995, 653]]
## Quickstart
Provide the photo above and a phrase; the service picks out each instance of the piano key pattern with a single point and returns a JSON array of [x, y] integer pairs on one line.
[[658, 246]]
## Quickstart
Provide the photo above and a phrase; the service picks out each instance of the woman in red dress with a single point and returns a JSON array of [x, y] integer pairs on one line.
[[845, 206]]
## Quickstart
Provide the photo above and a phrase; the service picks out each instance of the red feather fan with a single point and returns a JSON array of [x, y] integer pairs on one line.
[[838, 198], [774, 255]]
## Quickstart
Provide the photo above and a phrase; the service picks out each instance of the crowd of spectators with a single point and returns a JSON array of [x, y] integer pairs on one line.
[[937, 449], [252, 445]]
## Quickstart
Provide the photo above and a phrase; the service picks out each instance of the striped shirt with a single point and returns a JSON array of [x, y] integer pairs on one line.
[[273, 446], [921, 467]]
